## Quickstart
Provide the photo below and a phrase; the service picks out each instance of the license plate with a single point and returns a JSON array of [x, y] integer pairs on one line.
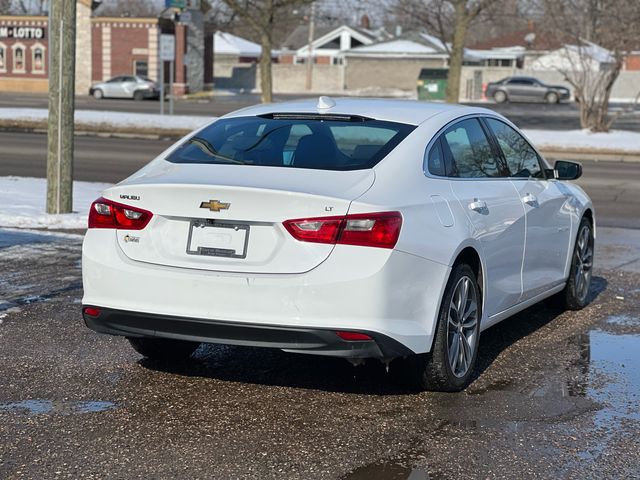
[[218, 239]]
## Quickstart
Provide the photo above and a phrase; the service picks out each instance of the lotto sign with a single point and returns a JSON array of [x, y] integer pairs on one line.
[[22, 33]]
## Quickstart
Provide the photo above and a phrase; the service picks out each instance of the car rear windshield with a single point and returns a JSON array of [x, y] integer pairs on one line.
[[322, 142]]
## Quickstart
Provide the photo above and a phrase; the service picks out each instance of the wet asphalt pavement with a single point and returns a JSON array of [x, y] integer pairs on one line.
[[557, 394]]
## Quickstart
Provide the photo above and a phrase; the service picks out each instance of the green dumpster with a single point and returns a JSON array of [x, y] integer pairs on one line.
[[432, 83]]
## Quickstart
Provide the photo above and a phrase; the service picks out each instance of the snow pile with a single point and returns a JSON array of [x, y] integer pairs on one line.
[[381, 92], [585, 139], [23, 203], [115, 119]]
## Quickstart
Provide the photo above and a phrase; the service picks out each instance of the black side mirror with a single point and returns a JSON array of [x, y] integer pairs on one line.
[[565, 170]]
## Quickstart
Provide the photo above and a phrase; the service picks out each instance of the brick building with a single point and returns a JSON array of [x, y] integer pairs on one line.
[[105, 47], [23, 54]]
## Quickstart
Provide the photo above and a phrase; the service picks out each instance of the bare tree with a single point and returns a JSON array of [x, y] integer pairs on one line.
[[29, 7], [450, 20], [260, 16], [597, 35], [5, 7]]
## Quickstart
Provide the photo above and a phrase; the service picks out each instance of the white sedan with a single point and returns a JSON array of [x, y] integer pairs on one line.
[[352, 228]]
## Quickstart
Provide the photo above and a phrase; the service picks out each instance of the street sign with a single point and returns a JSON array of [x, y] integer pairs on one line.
[[167, 48], [183, 4], [175, 4]]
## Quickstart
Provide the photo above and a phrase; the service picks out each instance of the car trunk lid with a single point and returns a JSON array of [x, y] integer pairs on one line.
[[225, 218]]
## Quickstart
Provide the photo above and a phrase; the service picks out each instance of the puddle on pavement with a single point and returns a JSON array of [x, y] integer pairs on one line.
[[607, 376], [624, 320], [614, 377], [387, 471], [38, 407]]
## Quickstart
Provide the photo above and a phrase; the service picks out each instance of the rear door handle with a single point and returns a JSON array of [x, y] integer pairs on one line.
[[478, 205], [530, 199]]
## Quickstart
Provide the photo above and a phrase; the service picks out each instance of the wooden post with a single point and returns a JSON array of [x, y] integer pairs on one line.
[[312, 24], [62, 48]]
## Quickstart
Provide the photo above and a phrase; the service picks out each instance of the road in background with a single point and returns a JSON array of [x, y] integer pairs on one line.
[[613, 186], [564, 116], [97, 159]]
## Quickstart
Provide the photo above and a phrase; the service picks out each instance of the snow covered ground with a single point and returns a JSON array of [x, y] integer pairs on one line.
[[584, 139], [116, 119], [22, 203]]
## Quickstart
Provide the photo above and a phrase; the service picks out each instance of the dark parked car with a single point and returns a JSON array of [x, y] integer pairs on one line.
[[526, 89]]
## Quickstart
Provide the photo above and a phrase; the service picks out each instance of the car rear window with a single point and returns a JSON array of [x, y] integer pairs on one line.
[[322, 142]]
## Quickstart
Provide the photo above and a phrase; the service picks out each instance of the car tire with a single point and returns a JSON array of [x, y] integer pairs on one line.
[[500, 97], [438, 370], [552, 98], [98, 94], [163, 349], [575, 295], [138, 96]]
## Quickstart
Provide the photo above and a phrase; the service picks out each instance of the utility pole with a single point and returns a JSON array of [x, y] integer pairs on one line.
[[62, 65], [312, 25]]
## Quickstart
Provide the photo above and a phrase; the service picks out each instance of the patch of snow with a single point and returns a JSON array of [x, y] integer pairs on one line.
[[381, 92], [116, 119], [585, 139], [435, 41], [23, 203], [228, 44], [397, 47]]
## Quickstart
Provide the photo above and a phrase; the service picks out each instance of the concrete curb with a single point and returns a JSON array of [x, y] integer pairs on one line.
[[110, 131]]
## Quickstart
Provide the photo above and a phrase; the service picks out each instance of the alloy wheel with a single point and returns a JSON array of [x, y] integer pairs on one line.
[[583, 262], [462, 327]]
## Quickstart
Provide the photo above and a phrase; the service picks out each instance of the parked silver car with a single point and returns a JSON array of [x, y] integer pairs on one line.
[[526, 89], [135, 87]]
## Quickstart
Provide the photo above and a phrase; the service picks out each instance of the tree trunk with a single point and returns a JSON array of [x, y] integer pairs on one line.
[[265, 69], [457, 53]]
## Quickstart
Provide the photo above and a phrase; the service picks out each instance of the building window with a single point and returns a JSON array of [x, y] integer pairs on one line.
[[18, 58], [3, 57], [497, 62], [37, 63], [141, 68]]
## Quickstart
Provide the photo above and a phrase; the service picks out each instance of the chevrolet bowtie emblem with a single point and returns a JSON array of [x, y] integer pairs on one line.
[[215, 205]]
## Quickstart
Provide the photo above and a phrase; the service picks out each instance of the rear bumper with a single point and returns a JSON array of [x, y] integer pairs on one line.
[[293, 339], [392, 293]]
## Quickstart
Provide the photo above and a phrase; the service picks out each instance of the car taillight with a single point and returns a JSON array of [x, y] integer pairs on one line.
[[380, 229], [107, 214]]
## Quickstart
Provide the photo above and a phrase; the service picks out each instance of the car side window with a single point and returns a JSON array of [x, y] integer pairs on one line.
[[115, 80], [520, 81], [470, 151], [436, 161], [521, 158]]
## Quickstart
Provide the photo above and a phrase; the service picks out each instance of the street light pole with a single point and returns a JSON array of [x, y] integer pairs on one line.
[[312, 25], [62, 62]]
